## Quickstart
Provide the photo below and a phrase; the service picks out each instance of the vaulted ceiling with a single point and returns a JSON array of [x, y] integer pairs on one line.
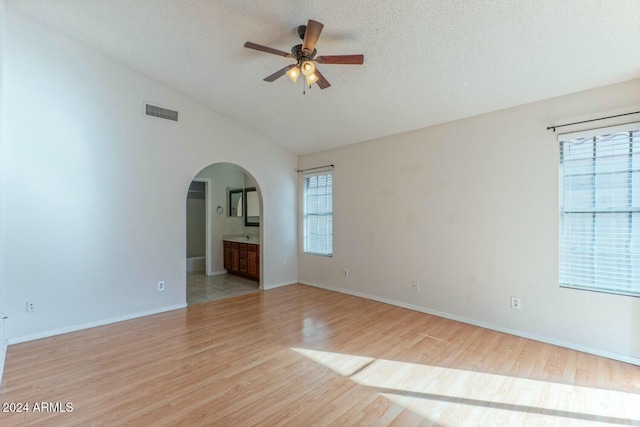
[[426, 62]]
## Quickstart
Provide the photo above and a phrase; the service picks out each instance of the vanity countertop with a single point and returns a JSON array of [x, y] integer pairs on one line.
[[255, 240]]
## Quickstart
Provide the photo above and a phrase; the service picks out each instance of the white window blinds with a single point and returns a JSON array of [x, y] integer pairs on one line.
[[318, 213], [600, 210]]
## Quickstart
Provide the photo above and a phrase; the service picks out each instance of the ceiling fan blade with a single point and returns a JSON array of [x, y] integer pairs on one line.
[[311, 34], [267, 49], [340, 59], [279, 73], [322, 82]]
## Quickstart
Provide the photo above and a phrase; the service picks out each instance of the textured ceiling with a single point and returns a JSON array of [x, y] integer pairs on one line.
[[426, 62]]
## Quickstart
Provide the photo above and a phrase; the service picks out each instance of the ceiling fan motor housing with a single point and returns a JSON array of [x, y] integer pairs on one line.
[[301, 55]]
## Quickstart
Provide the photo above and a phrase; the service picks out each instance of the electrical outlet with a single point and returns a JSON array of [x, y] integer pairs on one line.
[[345, 274], [161, 285], [415, 285], [516, 303], [31, 306]]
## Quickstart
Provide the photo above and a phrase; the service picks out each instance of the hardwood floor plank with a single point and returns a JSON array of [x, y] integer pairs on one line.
[[299, 355]]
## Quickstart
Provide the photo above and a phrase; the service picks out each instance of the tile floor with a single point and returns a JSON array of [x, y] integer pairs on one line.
[[203, 288]]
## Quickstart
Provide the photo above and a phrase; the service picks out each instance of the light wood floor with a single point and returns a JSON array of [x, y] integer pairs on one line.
[[304, 356]]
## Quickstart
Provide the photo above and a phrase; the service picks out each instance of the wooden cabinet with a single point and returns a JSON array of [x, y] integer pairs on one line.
[[235, 257], [227, 255], [242, 259], [253, 261]]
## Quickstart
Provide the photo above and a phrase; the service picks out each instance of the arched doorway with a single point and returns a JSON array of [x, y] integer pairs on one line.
[[221, 217]]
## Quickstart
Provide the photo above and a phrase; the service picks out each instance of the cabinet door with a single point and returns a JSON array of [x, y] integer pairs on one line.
[[243, 257], [252, 264], [235, 257], [227, 256]]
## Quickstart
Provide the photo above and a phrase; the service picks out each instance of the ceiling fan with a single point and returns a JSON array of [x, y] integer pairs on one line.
[[305, 56]]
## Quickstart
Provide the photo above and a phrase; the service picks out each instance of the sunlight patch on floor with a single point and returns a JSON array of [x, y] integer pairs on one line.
[[433, 391], [343, 364]]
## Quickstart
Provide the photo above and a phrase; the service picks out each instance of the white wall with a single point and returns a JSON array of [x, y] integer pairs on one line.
[[93, 191], [469, 209]]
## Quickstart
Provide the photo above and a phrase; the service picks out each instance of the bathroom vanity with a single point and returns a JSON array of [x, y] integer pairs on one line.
[[242, 257]]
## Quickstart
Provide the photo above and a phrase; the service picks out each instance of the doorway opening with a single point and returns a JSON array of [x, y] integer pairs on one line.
[[196, 226], [224, 234]]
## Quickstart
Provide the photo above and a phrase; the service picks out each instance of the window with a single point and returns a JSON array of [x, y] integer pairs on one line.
[[318, 213], [600, 210]]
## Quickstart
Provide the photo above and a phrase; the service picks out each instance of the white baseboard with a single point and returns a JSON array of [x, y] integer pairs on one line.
[[278, 285], [93, 324], [3, 357], [217, 273], [608, 354], [196, 264]]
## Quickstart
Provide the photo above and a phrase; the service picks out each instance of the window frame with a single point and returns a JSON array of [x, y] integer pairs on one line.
[[603, 275], [306, 216]]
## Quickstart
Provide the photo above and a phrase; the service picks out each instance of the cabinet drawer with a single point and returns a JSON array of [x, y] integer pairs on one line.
[[243, 246], [243, 265], [243, 254], [227, 245], [235, 245], [252, 248]]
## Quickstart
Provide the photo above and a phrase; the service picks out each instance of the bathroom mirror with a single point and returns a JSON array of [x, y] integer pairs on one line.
[[236, 203], [251, 207]]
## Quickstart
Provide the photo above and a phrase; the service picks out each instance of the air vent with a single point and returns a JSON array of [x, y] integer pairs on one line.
[[163, 113]]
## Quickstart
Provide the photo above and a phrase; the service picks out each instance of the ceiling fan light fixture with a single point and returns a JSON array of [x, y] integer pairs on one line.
[[293, 74], [311, 79], [308, 68]]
